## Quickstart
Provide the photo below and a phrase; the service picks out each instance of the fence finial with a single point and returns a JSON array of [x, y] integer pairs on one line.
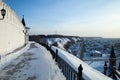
[[56, 56], [80, 69], [105, 68]]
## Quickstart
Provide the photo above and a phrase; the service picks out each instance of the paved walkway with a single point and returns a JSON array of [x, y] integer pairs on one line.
[[15, 67], [31, 65]]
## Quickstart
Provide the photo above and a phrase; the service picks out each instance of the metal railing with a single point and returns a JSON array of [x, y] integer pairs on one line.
[[66, 69]]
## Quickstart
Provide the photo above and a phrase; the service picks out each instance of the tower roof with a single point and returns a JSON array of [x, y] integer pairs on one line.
[[105, 64], [112, 54], [23, 21]]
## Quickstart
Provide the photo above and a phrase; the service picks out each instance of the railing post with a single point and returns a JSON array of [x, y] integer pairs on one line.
[[79, 76], [74, 77], [69, 74], [105, 68], [56, 56], [119, 67]]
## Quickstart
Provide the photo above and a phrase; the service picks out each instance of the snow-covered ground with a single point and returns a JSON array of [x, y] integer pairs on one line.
[[31, 63], [98, 65], [94, 49], [63, 41], [97, 49], [88, 72]]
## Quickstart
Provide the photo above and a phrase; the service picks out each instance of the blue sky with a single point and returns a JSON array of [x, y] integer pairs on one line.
[[70, 17]]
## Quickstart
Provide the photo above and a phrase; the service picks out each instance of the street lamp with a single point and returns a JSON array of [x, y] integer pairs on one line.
[[3, 13]]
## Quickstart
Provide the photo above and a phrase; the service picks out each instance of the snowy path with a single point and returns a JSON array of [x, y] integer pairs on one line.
[[34, 64]]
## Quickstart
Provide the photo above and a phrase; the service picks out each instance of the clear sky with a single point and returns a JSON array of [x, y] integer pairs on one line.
[[99, 18]]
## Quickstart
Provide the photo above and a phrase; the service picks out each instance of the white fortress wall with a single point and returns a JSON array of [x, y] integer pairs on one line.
[[11, 31]]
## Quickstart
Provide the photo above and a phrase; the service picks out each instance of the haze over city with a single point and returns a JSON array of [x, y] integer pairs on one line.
[[93, 18]]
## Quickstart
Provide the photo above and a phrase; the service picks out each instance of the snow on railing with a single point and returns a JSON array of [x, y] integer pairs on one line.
[[88, 72], [70, 64], [66, 68], [117, 74]]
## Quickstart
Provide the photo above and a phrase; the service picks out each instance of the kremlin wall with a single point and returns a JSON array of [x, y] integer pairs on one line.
[[12, 31]]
